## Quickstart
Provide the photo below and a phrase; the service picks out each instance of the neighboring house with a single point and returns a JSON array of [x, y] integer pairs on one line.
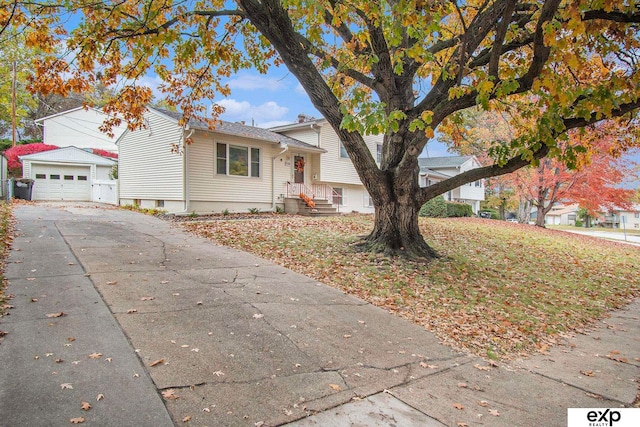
[[330, 173], [562, 215], [70, 173], [73, 172], [78, 127], [437, 169], [622, 218], [195, 169]]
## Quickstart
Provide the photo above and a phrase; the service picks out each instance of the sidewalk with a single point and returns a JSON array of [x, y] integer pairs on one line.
[[237, 341]]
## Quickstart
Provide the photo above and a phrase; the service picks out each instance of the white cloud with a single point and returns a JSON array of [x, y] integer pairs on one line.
[[244, 111], [255, 82]]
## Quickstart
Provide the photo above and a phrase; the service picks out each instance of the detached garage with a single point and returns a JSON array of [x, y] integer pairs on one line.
[[68, 173]]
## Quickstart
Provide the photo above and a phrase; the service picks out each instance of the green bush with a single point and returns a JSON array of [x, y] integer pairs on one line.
[[578, 223], [434, 208], [455, 210]]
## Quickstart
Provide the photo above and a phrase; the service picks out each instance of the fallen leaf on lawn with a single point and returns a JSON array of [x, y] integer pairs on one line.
[[206, 410], [95, 355], [483, 403], [588, 373], [78, 420], [482, 368], [34, 299], [71, 339], [59, 360], [170, 394], [156, 362], [99, 397], [258, 316], [462, 385], [462, 424], [131, 311], [85, 406], [112, 283], [186, 419], [494, 412], [458, 406], [336, 387], [60, 314], [66, 386], [146, 299]]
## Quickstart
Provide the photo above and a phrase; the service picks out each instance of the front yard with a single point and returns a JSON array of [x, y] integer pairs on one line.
[[499, 290]]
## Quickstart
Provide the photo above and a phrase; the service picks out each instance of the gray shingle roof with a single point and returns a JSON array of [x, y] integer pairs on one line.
[[238, 129], [442, 162]]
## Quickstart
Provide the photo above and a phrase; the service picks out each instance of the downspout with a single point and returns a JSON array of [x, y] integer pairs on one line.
[[185, 166], [273, 176]]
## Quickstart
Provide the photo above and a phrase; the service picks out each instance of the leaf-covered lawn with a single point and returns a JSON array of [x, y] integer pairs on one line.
[[6, 236], [499, 290]]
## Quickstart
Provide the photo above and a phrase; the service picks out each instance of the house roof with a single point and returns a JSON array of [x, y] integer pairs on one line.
[[562, 210], [71, 155], [442, 162], [238, 129], [432, 173], [62, 113]]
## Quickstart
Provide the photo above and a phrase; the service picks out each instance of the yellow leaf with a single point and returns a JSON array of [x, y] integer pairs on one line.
[[336, 387], [78, 420]]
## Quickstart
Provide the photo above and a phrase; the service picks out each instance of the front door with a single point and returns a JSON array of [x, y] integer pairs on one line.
[[298, 169]]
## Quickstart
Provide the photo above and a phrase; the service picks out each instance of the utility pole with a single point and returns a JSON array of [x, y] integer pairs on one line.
[[13, 104]]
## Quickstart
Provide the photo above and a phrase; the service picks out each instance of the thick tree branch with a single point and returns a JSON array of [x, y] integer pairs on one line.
[[515, 163], [612, 16]]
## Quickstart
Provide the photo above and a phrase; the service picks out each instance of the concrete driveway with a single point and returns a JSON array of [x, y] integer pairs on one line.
[[151, 326]]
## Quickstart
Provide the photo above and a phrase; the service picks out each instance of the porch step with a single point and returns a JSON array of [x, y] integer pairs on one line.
[[323, 208]]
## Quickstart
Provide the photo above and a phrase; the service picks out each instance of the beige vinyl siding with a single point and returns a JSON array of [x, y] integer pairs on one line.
[[147, 168], [334, 168], [207, 185], [306, 134]]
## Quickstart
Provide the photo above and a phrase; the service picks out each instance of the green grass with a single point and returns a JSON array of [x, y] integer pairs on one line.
[[499, 289], [6, 237]]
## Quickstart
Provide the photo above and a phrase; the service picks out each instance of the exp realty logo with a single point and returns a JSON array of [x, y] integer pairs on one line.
[[603, 417]]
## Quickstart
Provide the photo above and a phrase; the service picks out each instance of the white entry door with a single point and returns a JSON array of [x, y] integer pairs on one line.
[[61, 182]]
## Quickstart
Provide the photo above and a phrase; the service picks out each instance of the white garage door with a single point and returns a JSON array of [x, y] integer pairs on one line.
[[58, 182]]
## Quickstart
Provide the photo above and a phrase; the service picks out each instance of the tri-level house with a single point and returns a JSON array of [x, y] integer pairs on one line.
[[237, 167], [437, 169]]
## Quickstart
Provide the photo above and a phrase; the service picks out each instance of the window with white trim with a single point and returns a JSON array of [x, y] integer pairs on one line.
[[379, 153], [237, 160], [338, 198], [343, 151], [367, 200]]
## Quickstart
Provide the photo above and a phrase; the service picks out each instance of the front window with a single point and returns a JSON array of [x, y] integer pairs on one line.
[[238, 161], [379, 153], [367, 200], [343, 151]]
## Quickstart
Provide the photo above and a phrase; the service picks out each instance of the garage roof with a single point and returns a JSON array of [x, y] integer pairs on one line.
[[69, 155]]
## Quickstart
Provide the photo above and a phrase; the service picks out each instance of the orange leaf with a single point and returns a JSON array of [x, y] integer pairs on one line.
[[336, 387], [458, 406], [85, 406], [78, 420], [186, 419], [156, 362], [95, 355]]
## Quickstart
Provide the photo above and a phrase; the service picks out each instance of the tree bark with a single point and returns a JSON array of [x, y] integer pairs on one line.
[[396, 233]]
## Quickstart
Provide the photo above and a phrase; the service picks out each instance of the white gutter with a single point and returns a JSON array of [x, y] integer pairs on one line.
[[273, 176], [185, 166]]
